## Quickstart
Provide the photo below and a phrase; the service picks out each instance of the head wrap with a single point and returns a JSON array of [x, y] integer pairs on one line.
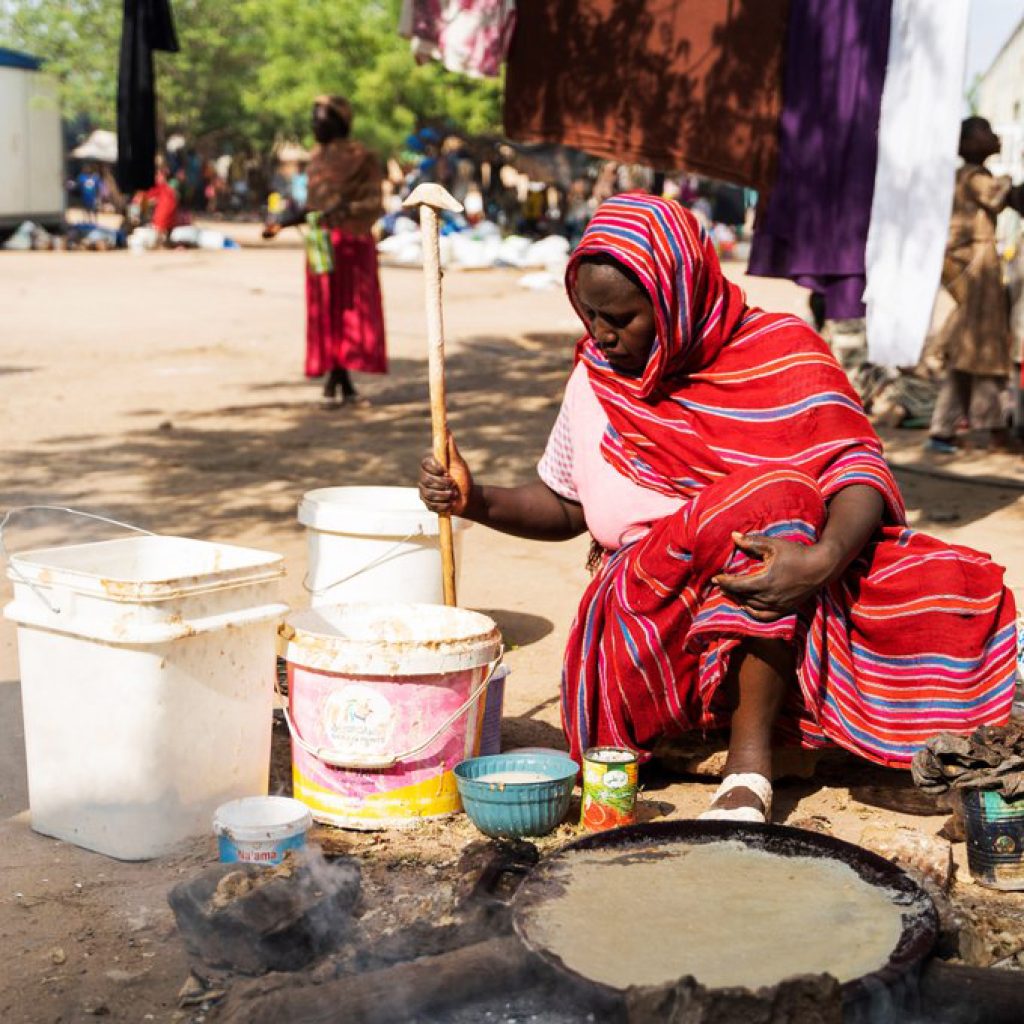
[[338, 104], [726, 386], [696, 309]]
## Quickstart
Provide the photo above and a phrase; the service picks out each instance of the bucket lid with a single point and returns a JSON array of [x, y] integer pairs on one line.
[[370, 511], [255, 819], [390, 639], [145, 568]]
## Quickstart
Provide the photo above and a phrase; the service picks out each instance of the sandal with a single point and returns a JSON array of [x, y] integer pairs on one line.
[[941, 446], [757, 784]]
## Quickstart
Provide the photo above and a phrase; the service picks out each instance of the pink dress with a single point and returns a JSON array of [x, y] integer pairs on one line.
[[618, 511]]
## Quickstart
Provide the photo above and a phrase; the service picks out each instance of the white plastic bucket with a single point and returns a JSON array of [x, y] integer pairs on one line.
[[260, 829], [373, 544], [147, 680], [383, 702]]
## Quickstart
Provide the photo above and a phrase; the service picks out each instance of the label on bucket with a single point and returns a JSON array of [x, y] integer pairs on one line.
[[377, 717], [357, 719], [270, 851]]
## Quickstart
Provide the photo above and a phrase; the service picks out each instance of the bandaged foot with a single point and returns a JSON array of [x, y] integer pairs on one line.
[[757, 784]]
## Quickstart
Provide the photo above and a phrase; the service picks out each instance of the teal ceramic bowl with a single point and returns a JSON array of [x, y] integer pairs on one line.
[[508, 796]]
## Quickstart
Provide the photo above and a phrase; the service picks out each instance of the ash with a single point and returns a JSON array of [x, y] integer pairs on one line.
[[527, 1008]]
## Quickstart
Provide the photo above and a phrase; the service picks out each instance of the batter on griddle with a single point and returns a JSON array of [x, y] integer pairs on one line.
[[722, 912]]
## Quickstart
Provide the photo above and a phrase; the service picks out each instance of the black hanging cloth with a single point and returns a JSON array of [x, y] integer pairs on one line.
[[148, 26]]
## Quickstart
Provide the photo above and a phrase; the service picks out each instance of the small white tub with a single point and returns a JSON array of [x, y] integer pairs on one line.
[[373, 545], [147, 681], [260, 829]]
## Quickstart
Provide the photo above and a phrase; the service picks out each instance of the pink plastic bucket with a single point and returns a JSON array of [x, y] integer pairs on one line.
[[383, 702]]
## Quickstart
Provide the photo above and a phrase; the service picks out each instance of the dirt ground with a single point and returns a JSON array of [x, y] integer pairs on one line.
[[166, 390]]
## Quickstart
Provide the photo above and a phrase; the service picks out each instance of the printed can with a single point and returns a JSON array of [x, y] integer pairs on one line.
[[995, 838], [609, 788]]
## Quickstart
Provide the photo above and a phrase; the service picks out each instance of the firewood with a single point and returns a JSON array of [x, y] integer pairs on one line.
[[802, 1000], [404, 992], [975, 994]]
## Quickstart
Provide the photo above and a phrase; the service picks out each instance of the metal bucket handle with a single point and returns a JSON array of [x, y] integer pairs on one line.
[[382, 557], [5, 554], [356, 762]]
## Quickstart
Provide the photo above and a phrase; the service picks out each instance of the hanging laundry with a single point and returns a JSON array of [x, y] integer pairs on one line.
[[695, 85], [467, 36], [148, 25], [813, 225], [917, 156]]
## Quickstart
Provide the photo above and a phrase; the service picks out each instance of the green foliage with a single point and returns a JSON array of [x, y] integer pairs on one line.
[[351, 47], [79, 40], [202, 87], [249, 69]]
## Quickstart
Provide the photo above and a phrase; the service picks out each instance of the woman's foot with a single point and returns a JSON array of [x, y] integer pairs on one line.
[[760, 672], [336, 383], [742, 796], [941, 445]]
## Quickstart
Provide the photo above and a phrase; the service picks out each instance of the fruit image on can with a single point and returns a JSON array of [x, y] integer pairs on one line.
[[609, 788]]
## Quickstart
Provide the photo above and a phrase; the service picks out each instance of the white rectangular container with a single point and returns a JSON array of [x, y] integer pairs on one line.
[[147, 675]]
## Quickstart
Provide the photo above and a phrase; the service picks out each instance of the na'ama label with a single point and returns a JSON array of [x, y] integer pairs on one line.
[[609, 788]]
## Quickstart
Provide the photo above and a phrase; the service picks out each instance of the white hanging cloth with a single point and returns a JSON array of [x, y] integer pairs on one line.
[[918, 138]]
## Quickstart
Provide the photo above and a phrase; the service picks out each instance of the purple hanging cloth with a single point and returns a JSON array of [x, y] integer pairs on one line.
[[813, 225]]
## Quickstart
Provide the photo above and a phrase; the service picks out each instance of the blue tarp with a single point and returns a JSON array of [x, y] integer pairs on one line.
[[16, 59]]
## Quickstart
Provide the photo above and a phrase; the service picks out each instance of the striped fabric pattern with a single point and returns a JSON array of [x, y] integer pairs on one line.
[[748, 415]]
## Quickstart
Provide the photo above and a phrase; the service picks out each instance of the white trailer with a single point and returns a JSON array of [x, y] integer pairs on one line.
[[31, 146]]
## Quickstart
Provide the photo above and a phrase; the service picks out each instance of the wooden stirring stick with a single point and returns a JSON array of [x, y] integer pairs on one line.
[[431, 198]]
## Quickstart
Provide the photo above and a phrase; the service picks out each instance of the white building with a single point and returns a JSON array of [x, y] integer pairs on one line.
[[31, 147]]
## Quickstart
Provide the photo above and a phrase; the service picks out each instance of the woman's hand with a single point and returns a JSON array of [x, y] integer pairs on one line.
[[446, 493], [792, 574], [271, 229]]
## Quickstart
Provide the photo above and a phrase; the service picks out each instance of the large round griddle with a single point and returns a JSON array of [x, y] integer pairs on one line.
[[544, 885]]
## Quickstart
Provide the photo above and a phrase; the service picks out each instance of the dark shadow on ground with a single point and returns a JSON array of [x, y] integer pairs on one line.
[[944, 491], [528, 732], [519, 629], [211, 474]]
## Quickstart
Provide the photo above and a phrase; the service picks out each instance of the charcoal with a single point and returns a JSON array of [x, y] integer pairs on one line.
[[249, 919]]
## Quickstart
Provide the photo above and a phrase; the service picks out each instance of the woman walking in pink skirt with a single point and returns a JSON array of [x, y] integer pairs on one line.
[[344, 312]]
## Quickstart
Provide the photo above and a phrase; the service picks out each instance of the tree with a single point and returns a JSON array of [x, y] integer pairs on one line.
[[201, 88], [352, 47], [248, 69], [79, 41]]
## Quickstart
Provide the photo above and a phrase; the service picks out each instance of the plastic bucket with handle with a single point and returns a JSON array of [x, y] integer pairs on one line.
[[383, 702], [372, 544], [147, 683]]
